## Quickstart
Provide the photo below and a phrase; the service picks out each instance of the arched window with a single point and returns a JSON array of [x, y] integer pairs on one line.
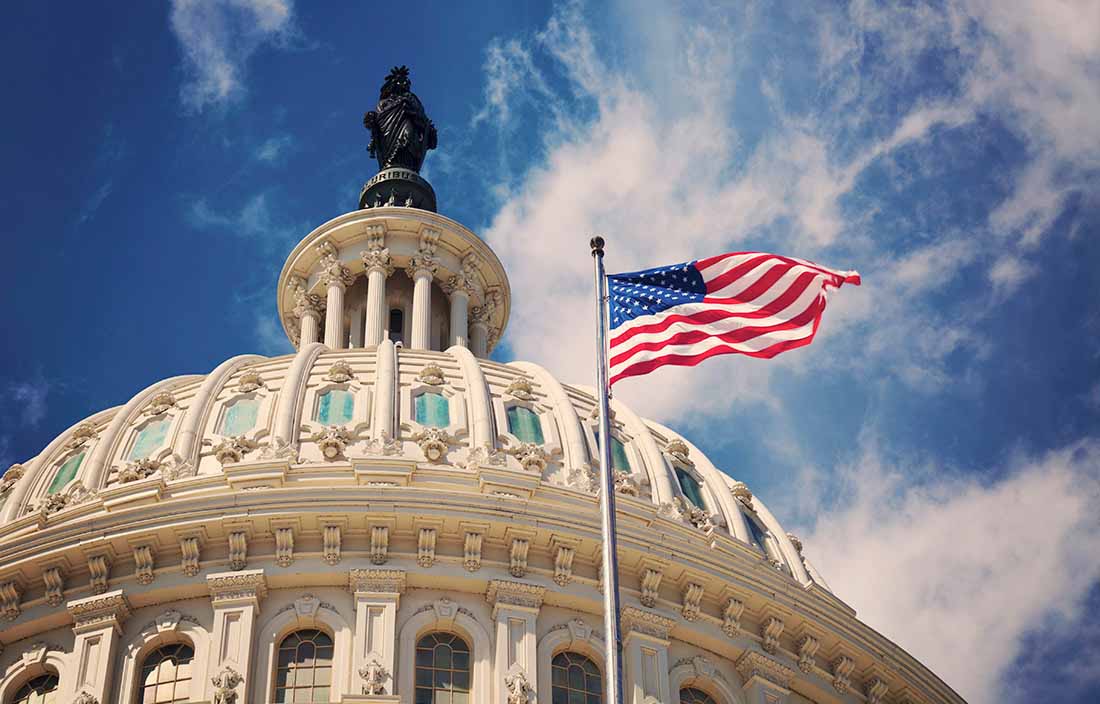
[[432, 410], [304, 671], [335, 407], [66, 473], [240, 416], [575, 679], [40, 690], [690, 486], [442, 670], [690, 695], [397, 324], [150, 438], [166, 675], [525, 424], [619, 460]]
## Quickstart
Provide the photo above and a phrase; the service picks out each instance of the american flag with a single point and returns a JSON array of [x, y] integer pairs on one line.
[[745, 302]]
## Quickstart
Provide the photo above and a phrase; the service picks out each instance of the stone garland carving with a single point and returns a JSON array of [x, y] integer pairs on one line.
[[431, 374], [54, 580], [563, 565], [284, 546], [434, 443], [517, 557], [651, 583], [10, 595], [138, 470], [517, 687], [225, 685], [233, 449], [425, 549], [770, 631], [379, 544], [731, 617], [471, 552], [741, 492], [520, 388], [81, 435], [330, 544], [531, 456], [807, 649], [374, 678], [692, 598], [189, 548], [160, 403], [250, 381], [332, 441], [340, 372]]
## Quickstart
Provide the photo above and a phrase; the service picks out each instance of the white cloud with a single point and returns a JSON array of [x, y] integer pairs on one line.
[[218, 37], [959, 572], [274, 149], [28, 400]]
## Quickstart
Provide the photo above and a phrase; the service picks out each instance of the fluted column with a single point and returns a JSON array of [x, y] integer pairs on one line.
[[308, 310], [480, 318], [421, 270], [376, 261], [336, 277], [459, 302]]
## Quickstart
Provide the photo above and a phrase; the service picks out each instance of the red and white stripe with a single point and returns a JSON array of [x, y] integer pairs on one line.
[[756, 304]]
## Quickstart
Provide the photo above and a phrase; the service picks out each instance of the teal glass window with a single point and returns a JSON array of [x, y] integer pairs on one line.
[[619, 460], [150, 438], [240, 416], [66, 473], [432, 410], [756, 532], [525, 424], [691, 488], [335, 407]]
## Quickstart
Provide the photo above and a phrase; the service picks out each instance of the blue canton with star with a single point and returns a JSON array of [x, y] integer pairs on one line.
[[651, 291]]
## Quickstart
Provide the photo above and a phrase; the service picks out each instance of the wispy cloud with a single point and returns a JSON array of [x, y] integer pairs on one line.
[[218, 37], [961, 572], [23, 406], [92, 203], [275, 149]]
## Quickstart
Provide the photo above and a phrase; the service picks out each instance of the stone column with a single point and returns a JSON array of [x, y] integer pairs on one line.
[[645, 655], [336, 278], [97, 623], [235, 597], [421, 270], [480, 318], [376, 261], [377, 597], [515, 612], [766, 681]]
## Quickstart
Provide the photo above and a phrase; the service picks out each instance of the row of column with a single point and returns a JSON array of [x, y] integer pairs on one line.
[[466, 331]]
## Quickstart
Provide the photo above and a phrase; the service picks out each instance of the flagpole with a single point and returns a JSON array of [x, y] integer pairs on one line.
[[613, 643]]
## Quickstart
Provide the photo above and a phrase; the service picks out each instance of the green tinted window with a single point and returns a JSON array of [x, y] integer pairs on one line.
[[240, 416], [66, 473], [618, 454], [691, 488], [335, 407], [150, 438], [525, 424], [432, 410]]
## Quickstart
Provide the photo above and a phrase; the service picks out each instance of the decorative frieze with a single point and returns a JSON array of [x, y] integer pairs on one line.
[[99, 569], [330, 544], [770, 630], [471, 552], [731, 616], [190, 549], [517, 557], [842, 673], [54, 580], [284, 546], [10, 595], [228, 587], [425, 548], [143, 564], [646, 622], [238, 550], [96, 612], [692, 596], [502, 591], [376, 581], [807, 649], [563, 565], [651, 584], [379, 544], [753, 664]]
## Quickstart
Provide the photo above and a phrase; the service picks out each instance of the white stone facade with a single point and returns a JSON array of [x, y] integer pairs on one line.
[[376, 493]]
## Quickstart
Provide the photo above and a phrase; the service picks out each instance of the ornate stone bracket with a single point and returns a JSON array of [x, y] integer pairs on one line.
[[753, 664]]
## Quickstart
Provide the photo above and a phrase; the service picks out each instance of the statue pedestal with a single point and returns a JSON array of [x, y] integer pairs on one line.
[[371, 699]]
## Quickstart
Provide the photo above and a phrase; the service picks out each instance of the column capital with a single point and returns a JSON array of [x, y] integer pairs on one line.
[[377, 259], [422, 263], [754, 665], [234, 588], [92, 613], [635, 620], [503, 592], [376, 581], [307, 304], [336, 274]]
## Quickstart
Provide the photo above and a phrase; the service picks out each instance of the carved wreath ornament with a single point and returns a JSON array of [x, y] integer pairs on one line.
[[433, 443], [332, 441]]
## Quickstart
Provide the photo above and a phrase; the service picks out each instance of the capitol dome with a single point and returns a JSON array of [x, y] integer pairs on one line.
[[387, 515]]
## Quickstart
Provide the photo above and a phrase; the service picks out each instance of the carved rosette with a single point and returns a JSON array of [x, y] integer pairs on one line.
[[434, 443], [332, 441]]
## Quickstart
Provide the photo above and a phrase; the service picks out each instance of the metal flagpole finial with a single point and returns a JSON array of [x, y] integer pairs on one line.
[[596, 243]]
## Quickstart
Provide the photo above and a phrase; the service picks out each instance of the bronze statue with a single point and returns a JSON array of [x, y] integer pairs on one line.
[[401, 133]]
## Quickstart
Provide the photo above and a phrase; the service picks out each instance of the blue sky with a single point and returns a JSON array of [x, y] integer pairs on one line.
[[937, 448]]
